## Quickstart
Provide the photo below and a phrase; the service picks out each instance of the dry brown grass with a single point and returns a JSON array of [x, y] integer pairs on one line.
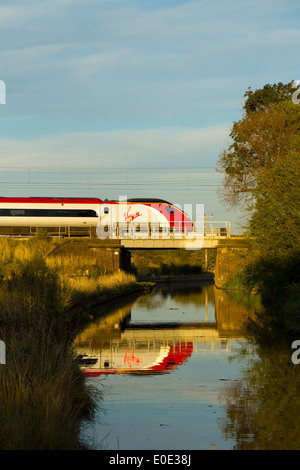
[[43, 394]]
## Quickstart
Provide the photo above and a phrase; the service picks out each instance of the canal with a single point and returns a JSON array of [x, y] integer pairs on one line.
[[177, 370]]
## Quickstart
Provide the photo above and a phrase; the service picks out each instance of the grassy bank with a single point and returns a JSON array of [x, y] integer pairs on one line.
[[44, 396]]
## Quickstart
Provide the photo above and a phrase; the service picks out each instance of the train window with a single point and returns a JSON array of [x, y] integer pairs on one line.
[[61, 213], [36, 213], [85, 213], [17, 212], [48, 212], [74, 213], [106, 210], [4, 212], [78, 213]]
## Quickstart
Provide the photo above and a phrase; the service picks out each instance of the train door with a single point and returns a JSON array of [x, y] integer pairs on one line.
[[105, 228]]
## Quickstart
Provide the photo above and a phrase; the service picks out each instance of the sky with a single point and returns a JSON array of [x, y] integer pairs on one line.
[[135, 83]]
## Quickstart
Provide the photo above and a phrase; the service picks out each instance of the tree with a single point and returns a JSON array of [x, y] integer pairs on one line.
[[262, 173], [269, 94], [266, 133], [275, 221]]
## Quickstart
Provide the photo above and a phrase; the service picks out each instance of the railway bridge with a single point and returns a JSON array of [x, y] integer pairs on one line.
[[114, 252]]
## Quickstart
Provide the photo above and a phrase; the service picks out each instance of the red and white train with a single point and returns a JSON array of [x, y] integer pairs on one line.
[[89, 216]]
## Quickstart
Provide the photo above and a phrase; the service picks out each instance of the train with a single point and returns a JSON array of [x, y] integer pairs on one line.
[[95, 217]]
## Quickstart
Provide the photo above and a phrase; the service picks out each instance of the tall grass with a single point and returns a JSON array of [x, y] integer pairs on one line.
[[22, 249], [104, 285], [71, 266], [44, 396]]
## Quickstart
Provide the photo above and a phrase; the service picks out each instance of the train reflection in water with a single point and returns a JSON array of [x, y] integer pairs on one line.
[[122, 343], [124, 357]]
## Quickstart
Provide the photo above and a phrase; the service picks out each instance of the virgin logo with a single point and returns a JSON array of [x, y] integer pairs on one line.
[[130, 359], [130, 217]]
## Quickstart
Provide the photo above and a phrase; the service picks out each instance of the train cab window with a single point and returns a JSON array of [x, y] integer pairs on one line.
[[106, 210], [170, 210]]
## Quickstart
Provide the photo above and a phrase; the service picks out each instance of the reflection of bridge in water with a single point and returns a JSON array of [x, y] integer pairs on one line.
[[119, 344]]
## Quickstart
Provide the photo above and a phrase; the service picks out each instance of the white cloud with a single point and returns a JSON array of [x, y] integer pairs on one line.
[[92, 64], [176, 147], [136, 65]]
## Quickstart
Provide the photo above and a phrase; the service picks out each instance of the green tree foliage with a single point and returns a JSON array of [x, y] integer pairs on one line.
[[265, 134], [275, 222], [262, 167], [269, 94], [262, 174]]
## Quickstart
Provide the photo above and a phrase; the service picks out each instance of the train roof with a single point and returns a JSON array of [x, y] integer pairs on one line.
[[51, 200], [146, 201]]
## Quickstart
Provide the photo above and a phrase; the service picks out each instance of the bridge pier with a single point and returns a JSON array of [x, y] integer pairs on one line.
[[230, 259], [108, 254]]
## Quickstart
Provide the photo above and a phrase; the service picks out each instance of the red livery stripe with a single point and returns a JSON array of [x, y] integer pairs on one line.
[[50, 200]]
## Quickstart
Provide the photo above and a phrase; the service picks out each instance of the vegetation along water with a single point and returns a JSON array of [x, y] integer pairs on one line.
[[44, 396], [261, 171]]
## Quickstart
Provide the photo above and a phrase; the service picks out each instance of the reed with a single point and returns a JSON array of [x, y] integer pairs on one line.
[[20, 250], [104, 284], [44, 398], [71, 266]]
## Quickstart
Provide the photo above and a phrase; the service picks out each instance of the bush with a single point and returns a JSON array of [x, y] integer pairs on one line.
[[277, 280]]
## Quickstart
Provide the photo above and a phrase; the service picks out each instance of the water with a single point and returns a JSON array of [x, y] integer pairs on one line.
[[177, 372]]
